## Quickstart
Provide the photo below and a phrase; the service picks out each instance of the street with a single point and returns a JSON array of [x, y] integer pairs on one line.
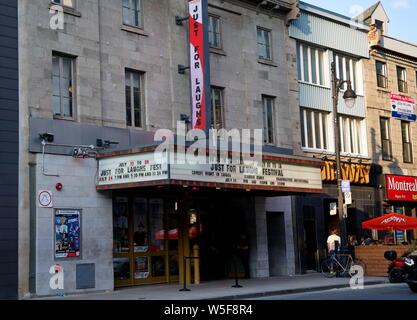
[[375, 292]]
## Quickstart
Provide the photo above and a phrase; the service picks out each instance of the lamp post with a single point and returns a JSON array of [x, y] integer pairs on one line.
[[350, 99]]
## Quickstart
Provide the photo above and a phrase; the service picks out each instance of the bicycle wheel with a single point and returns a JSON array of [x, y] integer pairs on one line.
[[357, 262], [328, 269]]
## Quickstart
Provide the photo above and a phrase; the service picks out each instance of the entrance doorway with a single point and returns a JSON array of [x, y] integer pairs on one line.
[[310, 243], [145, 240], [277, 252]]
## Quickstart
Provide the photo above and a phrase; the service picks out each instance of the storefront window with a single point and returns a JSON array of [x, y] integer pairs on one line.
[[141, 267], [156, 219], [140, 225], [121, 268], [121, 226]]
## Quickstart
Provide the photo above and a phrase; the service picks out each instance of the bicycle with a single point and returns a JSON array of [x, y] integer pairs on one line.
[[339, 266]]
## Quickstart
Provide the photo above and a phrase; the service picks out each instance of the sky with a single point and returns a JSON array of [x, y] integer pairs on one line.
[[402, 14]]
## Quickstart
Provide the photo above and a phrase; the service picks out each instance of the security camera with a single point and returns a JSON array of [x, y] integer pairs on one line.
[[380, 187], [48, 137]]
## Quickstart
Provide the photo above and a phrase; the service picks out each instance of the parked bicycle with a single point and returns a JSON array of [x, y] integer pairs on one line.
[[341, 264]]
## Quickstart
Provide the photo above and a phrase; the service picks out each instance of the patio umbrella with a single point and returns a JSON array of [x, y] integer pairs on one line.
[[391, 222]]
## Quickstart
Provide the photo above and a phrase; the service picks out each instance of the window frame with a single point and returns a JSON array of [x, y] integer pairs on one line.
[[131, 15], [323, 119], [353, 70], [386, 156], [408, 144], [402, 82], [269, 32], [132, 99], [61, 3], [383, 76], [213, 107], [268, 140], [61, 116], [212, 33], [301, 64], [355, 125]]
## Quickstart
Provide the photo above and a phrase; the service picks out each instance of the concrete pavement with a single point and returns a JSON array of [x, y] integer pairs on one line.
[[222, 289]]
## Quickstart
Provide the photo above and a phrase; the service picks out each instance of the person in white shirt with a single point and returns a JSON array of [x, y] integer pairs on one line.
[[333, 241]]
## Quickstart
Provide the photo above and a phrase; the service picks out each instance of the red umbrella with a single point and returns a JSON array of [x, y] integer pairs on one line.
[[390, 222]]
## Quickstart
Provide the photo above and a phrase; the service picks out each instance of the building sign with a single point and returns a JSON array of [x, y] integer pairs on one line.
[[345, 186], [403, 107], [401, 188], [67, 234], [199, 64], [45, 199], [130, 169]]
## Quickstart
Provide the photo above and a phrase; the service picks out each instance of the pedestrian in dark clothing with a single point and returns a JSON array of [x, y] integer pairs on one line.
[[242, 249]]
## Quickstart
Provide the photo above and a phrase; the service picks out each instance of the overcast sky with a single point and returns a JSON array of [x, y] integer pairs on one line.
[[402, 14]]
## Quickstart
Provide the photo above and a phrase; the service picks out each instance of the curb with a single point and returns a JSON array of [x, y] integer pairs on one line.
[[290, 291]]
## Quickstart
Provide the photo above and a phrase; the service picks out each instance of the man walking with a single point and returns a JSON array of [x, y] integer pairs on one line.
[[333, 242]]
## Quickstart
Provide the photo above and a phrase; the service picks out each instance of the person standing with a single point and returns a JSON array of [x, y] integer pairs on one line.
[[333, 243]]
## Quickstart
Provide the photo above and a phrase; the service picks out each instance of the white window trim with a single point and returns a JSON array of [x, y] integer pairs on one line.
[[306, 134], [324, 80]]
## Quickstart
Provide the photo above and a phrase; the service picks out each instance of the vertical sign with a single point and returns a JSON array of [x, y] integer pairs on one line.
[[199, 64]]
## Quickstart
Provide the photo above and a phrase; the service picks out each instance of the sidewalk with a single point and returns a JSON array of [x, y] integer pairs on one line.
[[222, 289]]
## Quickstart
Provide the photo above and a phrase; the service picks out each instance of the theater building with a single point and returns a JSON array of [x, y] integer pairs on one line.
[[95, 204]]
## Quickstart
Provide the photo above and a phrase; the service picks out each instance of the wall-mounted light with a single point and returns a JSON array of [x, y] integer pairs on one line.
[[47, 137]]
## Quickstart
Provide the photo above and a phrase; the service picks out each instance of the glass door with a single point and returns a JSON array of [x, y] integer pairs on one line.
[[145, 240]]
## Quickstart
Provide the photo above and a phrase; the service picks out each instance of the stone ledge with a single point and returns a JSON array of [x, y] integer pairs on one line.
[[133, 29], [68, 10], [267, 62]]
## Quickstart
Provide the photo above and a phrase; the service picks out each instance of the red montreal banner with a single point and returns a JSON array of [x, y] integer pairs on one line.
[[401, 188], [197, 65]]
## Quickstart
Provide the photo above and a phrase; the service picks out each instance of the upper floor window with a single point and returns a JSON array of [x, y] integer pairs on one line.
[[264, 44], [217, 105], [381, 74], [214, 32], [379, 25], [134, 99], [132, 12], [310, 64], [268, 119], [346, 69], [407, 144], [385, 139], [351, 135], [63, 86], [314, 129], [402, 79], [66, 3]]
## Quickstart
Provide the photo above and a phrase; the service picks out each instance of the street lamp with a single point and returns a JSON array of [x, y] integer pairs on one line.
[[350, 99]]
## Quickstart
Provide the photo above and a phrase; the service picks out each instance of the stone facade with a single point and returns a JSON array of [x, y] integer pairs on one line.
[[379, 105], [103, 49]]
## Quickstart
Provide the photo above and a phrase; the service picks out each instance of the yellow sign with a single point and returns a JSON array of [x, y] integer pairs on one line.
[[355, 173]]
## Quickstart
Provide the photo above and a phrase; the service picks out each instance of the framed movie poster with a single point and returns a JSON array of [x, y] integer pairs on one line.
[[67, 234]]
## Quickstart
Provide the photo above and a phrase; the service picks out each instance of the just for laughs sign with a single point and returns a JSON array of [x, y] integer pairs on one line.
[[199, 64]]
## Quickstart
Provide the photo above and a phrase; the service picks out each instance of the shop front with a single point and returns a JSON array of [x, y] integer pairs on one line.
[[400, 197], [164, 212]]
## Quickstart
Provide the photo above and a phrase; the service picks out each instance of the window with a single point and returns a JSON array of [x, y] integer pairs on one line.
[[66, 3], [314, 129], [310, 64], [402, 79], [386, 139], [214, 32], [264, 44], [268, 119], [407, 146], [132, 12], [350, 135], [134, 99], [379, 25], [346, 69], [217, 107], [63, 87], [381, 74]]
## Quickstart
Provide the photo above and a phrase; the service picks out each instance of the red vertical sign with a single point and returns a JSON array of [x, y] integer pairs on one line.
[[197, 65]]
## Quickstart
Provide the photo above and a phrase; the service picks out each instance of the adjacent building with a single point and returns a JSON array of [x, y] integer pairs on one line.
[[9, 150], [391, 93], [323, 38]]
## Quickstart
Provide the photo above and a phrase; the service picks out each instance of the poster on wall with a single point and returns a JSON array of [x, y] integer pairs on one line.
[[67, 234], [403, 107]]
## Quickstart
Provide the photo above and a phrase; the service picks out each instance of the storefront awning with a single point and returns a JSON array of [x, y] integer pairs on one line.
[[138, 167]]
